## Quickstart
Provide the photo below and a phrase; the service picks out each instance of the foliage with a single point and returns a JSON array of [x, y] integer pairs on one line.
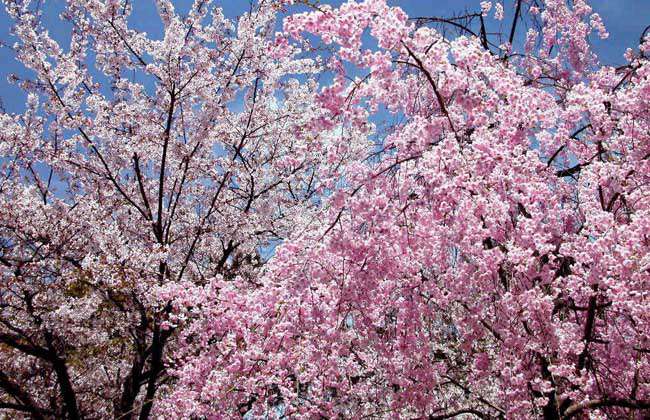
[[484, 255]]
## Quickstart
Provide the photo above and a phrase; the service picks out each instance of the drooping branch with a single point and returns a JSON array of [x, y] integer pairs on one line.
[[457, 413], [605, 402], [439, 98]]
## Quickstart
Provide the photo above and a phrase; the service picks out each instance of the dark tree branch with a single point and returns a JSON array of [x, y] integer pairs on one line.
[[604, 402], [163, 162], [26, 403], [440, 99], [457, 413], [138, 173], [514, 22]]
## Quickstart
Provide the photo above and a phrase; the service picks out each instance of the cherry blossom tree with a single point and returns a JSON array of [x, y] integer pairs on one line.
[[142, 172], [487, 258]]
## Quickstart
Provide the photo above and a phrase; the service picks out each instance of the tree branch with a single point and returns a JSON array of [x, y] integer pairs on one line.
[[576, 409]]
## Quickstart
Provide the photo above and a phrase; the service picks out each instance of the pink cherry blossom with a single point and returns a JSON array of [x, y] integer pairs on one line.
[[356, 215], [490, 261]]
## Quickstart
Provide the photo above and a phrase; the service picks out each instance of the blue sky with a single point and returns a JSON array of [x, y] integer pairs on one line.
[[625, 20]]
